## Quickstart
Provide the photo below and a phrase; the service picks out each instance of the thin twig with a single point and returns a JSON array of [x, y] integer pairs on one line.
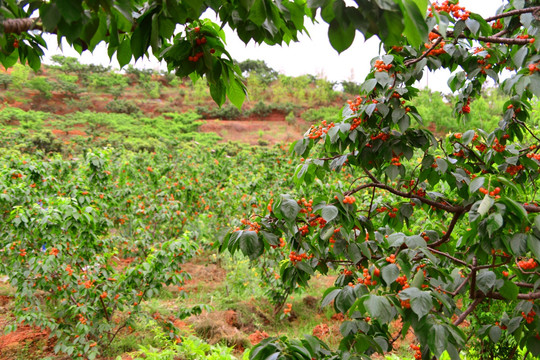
[[426, 53], [448, 256], [446, 207], [512, 13]]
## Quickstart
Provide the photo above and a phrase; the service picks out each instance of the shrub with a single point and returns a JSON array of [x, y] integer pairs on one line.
[[5, 80], [121, 106]]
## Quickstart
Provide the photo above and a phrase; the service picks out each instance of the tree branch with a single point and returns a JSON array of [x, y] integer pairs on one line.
[[445, 207], [453, 223], [512, 13], [470, 309], [20, 25], [426, 53], [454, 259]]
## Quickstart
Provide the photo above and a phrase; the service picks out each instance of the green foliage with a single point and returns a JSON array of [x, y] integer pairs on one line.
[[68, 85], [5, 80], [121, 106], [19, 76], [258, 69], [351, 87], [330, 114], [42, 85]]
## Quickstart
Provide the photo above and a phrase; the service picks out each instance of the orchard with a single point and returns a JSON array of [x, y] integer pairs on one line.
[[431, 232]]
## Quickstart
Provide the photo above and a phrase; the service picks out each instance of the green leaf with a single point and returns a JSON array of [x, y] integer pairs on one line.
[[534, 245], [345, 299], [495, 333], [329, 295], [123, 54], [438, 339], [494, 222], [518, 244], [467, 137], [340, 37], [236, 93], [392, 171], [485, 205], [50, 16], [416, 29], [289, 209], [537, 222], [390, 273], [369, 85], [509, 290], [421, 302], [519, 56], [251, 245], [71, 10], [329, 212], [473, 25], [379, 308], [476, 184], [218, 93], [485, 280], [442, 165]]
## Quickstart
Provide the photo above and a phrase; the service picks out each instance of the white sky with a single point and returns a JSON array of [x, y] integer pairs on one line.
[[311, 55]]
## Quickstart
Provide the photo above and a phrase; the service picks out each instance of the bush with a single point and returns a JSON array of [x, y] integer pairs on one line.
[[291, 118], [42, 85], [226, 112], [121, 106], [5, 80], [328, 113]]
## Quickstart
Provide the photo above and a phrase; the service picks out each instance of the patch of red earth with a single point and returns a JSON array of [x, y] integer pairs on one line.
[[321, 331], [4, 300], [253, 131], [257, 337], [21, 336], [209, 274], [58, 132]]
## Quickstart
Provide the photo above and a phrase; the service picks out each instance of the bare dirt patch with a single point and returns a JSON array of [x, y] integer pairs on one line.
[[256, 132]]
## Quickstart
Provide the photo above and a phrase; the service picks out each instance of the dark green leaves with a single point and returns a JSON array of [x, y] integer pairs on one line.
[[329, 212], [421, 302], [416, 29], [485, 280], [390, 273], [379, 308], [341, 36], [251, 245], [289, 209], [123, 54], [509, 290]]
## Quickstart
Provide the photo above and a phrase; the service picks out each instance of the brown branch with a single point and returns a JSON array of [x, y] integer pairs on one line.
[[371, 176], [469, 310], [453, 223], [20, 25], [426, 53], [371, 204], [445, 207], [512, 13], [105, 309], [492, 265], [524, 284], [472, 291], [528, 296], [458, 289], [448, 256]]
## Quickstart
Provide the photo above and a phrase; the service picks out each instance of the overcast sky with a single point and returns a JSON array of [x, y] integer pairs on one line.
[[311, 55]]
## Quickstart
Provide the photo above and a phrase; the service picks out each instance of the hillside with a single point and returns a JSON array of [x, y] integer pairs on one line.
[[277, 110]]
